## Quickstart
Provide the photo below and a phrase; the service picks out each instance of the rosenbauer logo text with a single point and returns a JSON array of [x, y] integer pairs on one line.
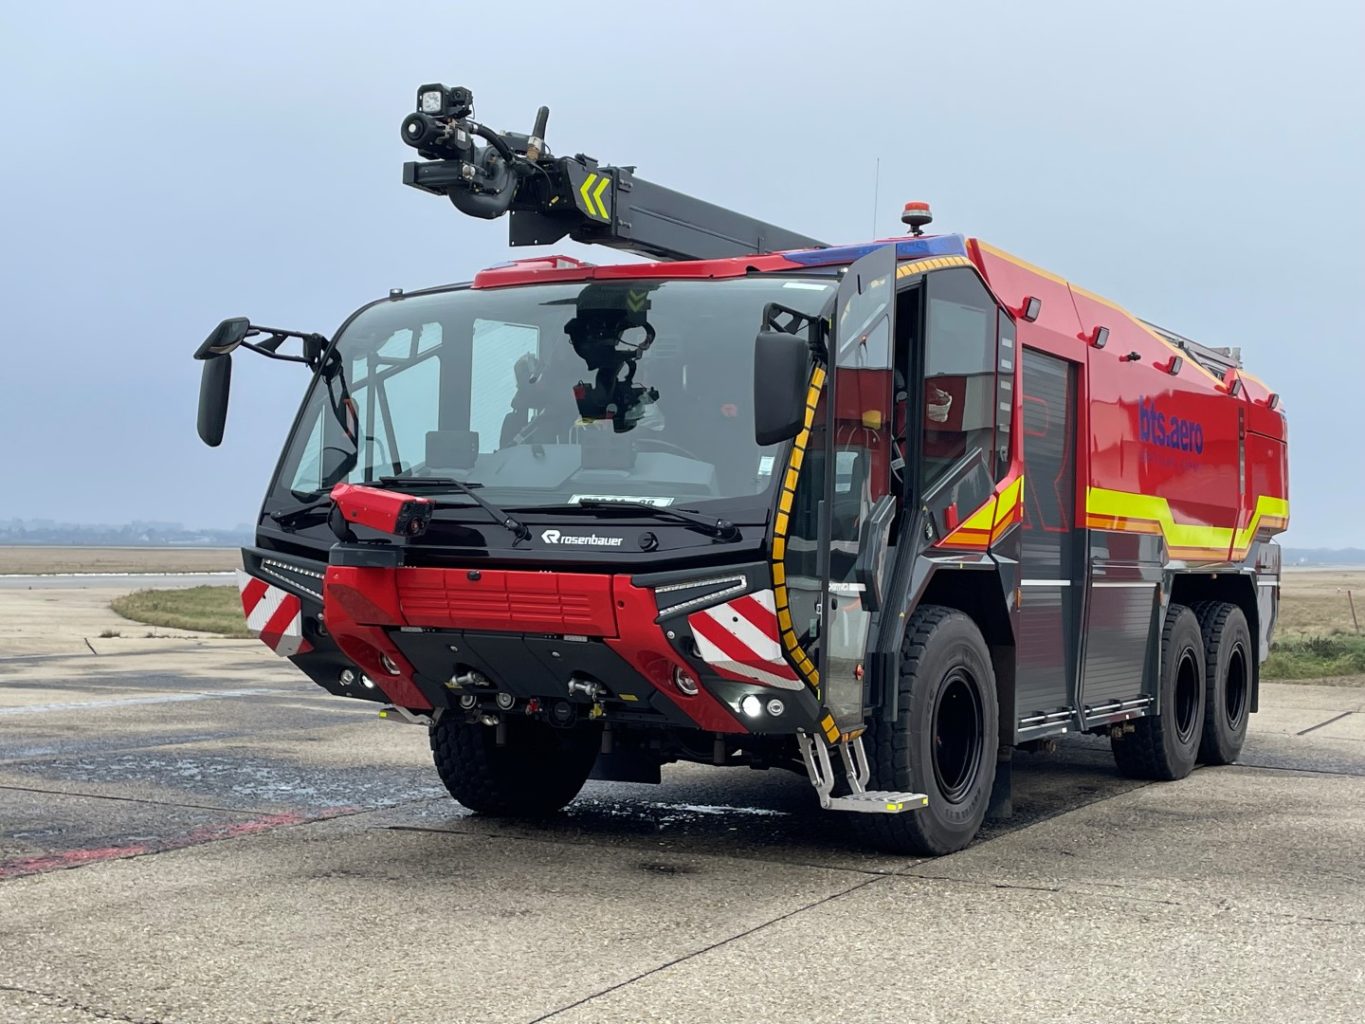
[[1166, 430], [589, 539]]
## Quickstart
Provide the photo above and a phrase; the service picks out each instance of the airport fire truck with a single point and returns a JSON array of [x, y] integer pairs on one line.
[[878, 513]]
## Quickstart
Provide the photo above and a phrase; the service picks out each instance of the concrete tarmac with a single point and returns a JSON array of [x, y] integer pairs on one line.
[[190, 831]]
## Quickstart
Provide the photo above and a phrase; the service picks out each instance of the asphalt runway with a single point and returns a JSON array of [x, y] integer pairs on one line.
[[190, 831]]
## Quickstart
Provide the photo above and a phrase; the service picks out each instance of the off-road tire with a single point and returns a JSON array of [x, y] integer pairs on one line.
[[1165, 745], [536, 772], [1229, 673], [942, 652]]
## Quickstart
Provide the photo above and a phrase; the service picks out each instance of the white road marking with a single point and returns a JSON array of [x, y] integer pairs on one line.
[[165, 698]]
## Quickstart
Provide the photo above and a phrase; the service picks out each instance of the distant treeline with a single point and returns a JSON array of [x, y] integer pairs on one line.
[[38, 531], [1324, 556]]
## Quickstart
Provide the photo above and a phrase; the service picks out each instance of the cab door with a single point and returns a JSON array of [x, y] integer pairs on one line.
[[855, 437]]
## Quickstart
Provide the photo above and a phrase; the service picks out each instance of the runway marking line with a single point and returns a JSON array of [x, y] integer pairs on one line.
[[20, 867]]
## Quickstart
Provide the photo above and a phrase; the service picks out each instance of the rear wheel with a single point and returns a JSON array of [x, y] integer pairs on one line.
[[944, 741], [1228, 666], [1166, 744], [536, 771]]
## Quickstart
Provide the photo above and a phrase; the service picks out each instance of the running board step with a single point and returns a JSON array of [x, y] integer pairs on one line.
[[857, 771], [875, 801]]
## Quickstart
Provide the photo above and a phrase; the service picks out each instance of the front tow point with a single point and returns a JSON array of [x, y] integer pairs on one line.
[[403, 716], [857, 770]]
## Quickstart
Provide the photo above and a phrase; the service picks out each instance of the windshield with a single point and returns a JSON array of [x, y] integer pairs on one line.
[[635, 390]]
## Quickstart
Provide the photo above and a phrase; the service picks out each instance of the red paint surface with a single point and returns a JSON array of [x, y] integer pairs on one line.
[[546, 271], [522, 602], [1201, 488], [18, 867], [643, 646], [348, 594]]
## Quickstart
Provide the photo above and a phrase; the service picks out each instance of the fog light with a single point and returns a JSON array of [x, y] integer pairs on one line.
[[347, 677], [685, 681], [505, 700], [751, 705], [369, 683], [388, 664], [468, 701], [776, 707]]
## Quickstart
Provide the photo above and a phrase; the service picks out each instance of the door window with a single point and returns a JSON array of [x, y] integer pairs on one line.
[[961, 392]]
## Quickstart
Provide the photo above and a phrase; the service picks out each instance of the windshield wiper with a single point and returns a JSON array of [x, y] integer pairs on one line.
[[722, 529], [288, 520], [448, 483]]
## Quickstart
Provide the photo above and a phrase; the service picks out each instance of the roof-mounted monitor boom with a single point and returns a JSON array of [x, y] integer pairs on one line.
[[552, 197]]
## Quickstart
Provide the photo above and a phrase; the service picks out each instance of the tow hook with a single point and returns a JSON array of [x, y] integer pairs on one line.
[[403, 716]]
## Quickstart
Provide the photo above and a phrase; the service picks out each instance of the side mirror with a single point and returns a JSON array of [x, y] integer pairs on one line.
[[224, 338], [214, 386], [781, 365]]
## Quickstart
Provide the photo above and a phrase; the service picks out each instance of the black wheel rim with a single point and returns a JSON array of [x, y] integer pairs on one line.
[[958, 739], [1186, 696], [1236, 687]]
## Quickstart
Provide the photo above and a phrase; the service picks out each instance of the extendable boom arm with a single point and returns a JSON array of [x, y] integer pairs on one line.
[[551, 198]]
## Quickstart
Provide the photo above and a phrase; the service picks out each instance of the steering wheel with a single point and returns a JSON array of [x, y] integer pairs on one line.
[[675, 448]]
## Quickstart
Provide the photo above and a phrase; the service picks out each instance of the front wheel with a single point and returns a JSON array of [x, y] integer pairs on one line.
[[944, 741], [536, 771]]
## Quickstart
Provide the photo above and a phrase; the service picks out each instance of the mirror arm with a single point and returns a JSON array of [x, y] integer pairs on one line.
[[270, 353]]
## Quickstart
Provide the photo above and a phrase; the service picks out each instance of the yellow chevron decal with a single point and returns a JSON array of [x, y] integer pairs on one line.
[[592, 197], [597, 197]]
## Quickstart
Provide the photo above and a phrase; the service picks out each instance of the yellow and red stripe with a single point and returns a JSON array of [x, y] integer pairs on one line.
[[1128, 512], [989, 523]]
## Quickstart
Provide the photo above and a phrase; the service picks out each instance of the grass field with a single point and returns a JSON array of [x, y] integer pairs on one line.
[[25, 560], [210, 609], [1317, 637]]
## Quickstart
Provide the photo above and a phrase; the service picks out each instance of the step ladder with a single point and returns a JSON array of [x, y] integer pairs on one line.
[[820, 768]]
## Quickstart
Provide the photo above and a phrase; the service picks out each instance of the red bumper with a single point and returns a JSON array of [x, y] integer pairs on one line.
[[360, 606]]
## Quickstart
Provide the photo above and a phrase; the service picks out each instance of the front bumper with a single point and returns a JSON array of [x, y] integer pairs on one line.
[[429, 637]]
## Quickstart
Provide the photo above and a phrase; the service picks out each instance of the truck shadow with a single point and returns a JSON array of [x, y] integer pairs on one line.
[[771, 816]]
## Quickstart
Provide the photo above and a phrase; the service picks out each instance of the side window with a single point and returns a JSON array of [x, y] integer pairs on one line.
[[308, 474], [961, 392], [395, 394]]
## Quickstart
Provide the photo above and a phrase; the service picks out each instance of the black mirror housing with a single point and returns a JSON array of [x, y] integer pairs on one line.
[[781, 369], [214, 386], [224, 338]]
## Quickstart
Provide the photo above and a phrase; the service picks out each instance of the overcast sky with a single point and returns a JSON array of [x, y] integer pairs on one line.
[[165, 166]]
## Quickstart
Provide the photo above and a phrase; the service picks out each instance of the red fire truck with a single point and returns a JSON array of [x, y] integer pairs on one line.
[[877, 513]]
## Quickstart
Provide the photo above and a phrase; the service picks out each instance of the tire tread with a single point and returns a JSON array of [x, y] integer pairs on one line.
[[1140, 754], [891, 761], [477, 776]]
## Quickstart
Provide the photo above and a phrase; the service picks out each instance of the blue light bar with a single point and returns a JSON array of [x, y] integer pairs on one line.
[[906, 249]]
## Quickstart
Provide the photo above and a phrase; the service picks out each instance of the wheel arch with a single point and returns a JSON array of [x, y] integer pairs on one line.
[[980, 596]]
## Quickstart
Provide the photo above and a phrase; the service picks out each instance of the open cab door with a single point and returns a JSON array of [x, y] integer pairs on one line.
[[847, 488], [857, 508]]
